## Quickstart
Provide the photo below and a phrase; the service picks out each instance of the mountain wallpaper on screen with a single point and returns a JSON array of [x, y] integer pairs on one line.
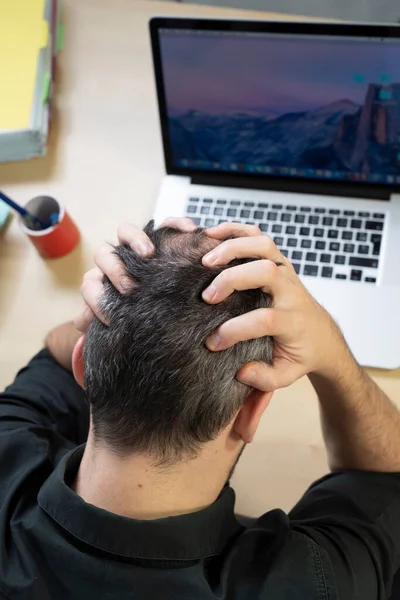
[[342, 135]]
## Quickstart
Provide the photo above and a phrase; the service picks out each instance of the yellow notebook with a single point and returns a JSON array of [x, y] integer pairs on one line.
[[23, 32]]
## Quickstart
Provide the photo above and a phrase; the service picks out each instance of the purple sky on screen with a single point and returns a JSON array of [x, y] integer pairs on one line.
[[270, 76]]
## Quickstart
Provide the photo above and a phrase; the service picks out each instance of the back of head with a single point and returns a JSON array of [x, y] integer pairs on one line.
[[153, 386]]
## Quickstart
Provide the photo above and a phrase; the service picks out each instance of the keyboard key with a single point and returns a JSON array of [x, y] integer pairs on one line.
[[320, 245], [296, 267], [292, 242], [341, 276], [348, 248], [347, 235], [305, 231], [250, 223], [355, 275], [355, 224], [290, 230], [327, 221], [250, 204], [258, 214], [306, 243], [327, 272], [374, 225], [349, 213], [365, 215], [297, 255], [313, 220], [231, 212], [234, 203], [290, 207], [193, 199], [326, 258], [286, 217], [361, 236], [218, 211], [311, 256], [221, 201], [244, 214], [208, 200], [334, 211], [310, 270], [305, 209], [222, 221], [272, 216], [276, 228], [334, 246], [209, 222], [277, 206], [192, 209], [333, 234], [341, 222], [263, 227], [340, 259], [376, 240], [370, 280], [319, 232], [205, 210], [360, 261], [379, 216], [262, 205], [278, 240], [299, 218], [285, 252], [320, 211], [363, 249], [196, 220]]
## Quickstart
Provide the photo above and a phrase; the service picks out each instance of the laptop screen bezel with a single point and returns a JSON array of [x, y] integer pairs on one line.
[[265, 181]]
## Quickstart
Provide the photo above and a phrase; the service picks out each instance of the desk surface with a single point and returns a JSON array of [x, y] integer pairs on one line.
[[105, 164]]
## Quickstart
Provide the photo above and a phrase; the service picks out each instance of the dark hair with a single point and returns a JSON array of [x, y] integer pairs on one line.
[[153, 385]]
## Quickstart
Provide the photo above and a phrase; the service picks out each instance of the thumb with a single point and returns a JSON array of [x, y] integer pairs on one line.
[[268, 378]]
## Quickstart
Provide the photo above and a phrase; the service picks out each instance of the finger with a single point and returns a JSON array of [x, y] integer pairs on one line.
[[133, 236], [226, 230], [270, 378], [260, 274], [110, 265], [83, 319], [91, 290], [181, 223], [250, 326], [250, 247]]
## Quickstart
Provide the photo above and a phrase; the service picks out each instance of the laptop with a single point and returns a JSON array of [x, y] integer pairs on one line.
[[293, 127]]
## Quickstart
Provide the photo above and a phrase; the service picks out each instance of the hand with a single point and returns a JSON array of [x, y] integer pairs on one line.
[[306, 339], [108, 264], [61, 342]]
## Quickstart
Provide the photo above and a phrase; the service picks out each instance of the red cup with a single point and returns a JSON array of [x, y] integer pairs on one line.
[[54, 241]]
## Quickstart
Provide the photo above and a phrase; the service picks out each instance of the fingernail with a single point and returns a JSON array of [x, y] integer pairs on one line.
[[145, 249], [249, 377], [127, 284], [214, 341], [210, 293], [211, 258]]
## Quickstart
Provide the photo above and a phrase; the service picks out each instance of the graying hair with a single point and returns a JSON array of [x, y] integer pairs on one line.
[[153, 386]]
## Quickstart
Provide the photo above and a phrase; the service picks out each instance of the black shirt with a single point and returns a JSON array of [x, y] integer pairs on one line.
[[341, 541]]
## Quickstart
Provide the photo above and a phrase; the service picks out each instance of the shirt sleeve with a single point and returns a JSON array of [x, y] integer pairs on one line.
[[46, 395], [354, 518]]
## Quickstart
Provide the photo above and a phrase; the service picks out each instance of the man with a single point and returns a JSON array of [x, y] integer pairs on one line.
[[143, 510]]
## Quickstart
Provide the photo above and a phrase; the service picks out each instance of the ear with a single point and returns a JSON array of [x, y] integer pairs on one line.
[[77, 362], [249, 416]]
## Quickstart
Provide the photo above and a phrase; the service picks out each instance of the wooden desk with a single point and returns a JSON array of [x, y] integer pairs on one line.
[[105, 164]]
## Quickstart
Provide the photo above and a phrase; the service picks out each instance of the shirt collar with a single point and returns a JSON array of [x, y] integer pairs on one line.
[[186, 537]]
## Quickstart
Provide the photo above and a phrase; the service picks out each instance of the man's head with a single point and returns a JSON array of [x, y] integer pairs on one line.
[[153, 386]]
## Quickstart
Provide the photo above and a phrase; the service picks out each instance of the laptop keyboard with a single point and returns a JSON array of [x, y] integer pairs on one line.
[[320, 242]]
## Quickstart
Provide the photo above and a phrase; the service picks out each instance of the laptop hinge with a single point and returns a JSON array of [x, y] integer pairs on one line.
[[296, 186]]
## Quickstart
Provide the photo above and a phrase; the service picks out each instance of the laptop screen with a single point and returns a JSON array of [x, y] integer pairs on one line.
[[301, 106]]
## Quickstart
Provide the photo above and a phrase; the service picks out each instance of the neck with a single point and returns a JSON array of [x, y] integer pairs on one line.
[[134, 487]]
